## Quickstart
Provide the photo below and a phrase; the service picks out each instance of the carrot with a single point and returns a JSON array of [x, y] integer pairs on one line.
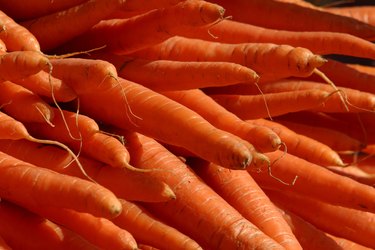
[[213, 223], [136, 219], [319, 42], [314, 181], [15, 36], [282, 13], [308, 235], [36, 232], [129, 185], [24, 105], [348, 244], [137, 5], [164, 75], [240, 190], [85, 74], [262, 138], [355, 173], [344, 222], [53, 30], [98, 231], [20, 64], [46, 85], [21, 10], [301, 145], [272, 104], [363, 68], [3, 244], [154, 110], [3, 47], [360, 13], [122, 36], [285, 60]]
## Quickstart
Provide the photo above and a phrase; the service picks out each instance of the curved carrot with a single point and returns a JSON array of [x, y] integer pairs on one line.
[[149, 230], [240, 190], [285, 60], [153, 109], [361, 13], [36, 232], [213, 223]]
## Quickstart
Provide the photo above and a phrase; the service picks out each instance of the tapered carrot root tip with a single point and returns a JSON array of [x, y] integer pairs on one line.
[[211, 13]]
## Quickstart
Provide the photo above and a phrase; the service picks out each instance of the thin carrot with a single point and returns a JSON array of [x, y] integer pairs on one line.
[[206, 210], [348, 244], [360, 13], [355, 173], [369, 69], [136, 219], [15, 36], [301, 145], [53, 30], [289, 16], [285, 60], [319, 42], [314, 181], [154, 111], [43, 84], [125, 184], [262, 138], [20, 64], [268, 105], [163, 75], [240, 190], [122, 36], [344, 222], [98, 231], [36, 232], [24, 105]]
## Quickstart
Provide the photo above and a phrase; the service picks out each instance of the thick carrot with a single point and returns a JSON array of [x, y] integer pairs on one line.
[[137, 5], [212, 222], [36, 232], [240, 190], [124, 36], [43, 84], [302, 146], [285, 60], [53, 30], [344, 222], [314, 181], [269, 105], [149, 230], [20, 64], [15, 36], [164, 75], [319, 42], [153, 111], [125, 184], [262, 138], [24, 105], [85, 75], [289, 16], [101, 232]]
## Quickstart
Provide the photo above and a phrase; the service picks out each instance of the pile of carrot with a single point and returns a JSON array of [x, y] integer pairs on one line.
[[186, 124]]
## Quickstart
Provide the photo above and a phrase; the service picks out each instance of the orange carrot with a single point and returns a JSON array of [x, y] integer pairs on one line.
[[152, 109], [129, 185], [164, 75], [3, 47], [36, 232], [319, 42], [53, 30], [206, 210], [122, 36], [24, 105], [267, 105], [314, 181], [360, 13], [285, 60], [15, 36], [20, 64], [99, 231], [46, 85], [240, 190], [149, 230], [304, 18], [302, 146], [344, 222], [137, 5], [262, 138], [348, 244], [368, 69], [356, 173], [23, 184]]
